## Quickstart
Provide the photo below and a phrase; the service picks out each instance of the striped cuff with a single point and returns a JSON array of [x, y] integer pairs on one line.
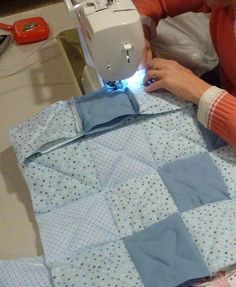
[[148, 21], [207, 103]]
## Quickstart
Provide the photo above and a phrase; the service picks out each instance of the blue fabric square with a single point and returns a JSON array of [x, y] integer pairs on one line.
[[193, 182], [106, 109], [165, 255], [212, 140]]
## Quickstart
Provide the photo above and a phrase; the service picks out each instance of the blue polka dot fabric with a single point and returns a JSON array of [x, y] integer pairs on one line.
[[225, 160], [64, 122], [92, 192], [213, 229], [104, 265], [137, 204], [61, 177]]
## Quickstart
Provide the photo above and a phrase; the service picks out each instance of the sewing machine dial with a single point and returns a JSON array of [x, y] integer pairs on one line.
[[94, 6]]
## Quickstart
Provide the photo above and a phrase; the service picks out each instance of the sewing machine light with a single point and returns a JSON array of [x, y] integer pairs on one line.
[[133, 83], [136, 81]]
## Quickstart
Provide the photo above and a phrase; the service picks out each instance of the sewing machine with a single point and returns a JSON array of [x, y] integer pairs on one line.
[[111, 37]]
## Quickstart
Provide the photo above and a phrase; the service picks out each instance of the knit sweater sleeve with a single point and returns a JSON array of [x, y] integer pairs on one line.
[[217, 112], [158, 9]]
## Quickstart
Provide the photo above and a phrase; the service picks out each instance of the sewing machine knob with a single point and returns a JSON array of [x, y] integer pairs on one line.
[[127, 47]]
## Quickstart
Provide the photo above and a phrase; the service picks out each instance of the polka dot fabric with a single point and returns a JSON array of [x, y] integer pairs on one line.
[[91, 192], [139, 203], [104, 266], [83, 224], [225, 161], [174, 136], [61, 176], [59, 123], [213, 228], [157, 103], [51, 124]]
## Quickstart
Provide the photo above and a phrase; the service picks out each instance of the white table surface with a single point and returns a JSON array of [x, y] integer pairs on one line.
[[22, 95]]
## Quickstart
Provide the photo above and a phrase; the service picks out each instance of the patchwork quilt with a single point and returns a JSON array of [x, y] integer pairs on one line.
[[128, 190]]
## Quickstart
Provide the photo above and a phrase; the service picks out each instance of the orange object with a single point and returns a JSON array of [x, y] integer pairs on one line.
[[28, 30]]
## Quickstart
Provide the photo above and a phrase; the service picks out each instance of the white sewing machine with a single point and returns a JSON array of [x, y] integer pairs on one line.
[[111, 37]]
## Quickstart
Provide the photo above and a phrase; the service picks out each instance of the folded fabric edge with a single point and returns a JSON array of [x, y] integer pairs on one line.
[[59, 142]]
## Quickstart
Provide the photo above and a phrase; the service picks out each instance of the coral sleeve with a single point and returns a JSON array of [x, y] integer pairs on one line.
[[217, 112], [158, 9]]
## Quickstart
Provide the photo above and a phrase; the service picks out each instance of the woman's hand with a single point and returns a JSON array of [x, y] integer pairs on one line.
[[169, 75]]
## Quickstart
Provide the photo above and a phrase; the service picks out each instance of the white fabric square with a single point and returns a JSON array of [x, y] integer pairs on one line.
[[213, 228], [139, 203], [24, 272], [62, 176], [174, 136], [225, 160], [53, 123], [66, 230], [103, 266], [157, 102], [121, 154]]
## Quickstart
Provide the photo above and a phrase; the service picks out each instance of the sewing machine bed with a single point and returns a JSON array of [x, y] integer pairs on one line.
[[149, 200]]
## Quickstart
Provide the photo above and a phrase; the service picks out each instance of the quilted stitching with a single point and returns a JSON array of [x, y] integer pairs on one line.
[[61, 177], [213, 228], [83, 224], [158, 102], [105, 163], [45, 127], [165, 255], [126, 146], [104, 266], [106, 108], [193, 182], [225, 161], [28, 271], [139, 203], [173, 136]]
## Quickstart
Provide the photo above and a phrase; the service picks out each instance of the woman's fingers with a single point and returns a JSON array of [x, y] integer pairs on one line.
[[153, 80], [152, 75], [157, 63], [154, 86], [173, 77]]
